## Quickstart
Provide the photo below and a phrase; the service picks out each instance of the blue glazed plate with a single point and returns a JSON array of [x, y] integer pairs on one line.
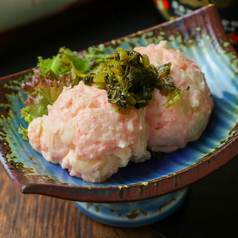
[[201, 37]]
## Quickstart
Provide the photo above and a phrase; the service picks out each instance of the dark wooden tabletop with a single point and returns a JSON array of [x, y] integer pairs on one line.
[[210, 209], [40, 216]]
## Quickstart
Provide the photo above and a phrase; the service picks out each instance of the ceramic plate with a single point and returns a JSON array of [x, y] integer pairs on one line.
[[201, 37]]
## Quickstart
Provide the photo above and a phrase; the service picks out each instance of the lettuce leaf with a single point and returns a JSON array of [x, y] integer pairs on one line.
[[63, 62], [42, 93], [50, 77], [48, 64]]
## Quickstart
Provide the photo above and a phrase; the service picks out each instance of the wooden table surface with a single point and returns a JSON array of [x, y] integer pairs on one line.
[[209, 211], [34, 216]]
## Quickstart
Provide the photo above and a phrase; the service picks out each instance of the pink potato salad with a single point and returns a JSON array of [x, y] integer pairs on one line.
[[134, 102], [173, 128], [84, 134]]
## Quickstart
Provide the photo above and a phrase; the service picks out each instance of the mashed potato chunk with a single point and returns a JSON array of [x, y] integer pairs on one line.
[[84, 134], [173, 128]]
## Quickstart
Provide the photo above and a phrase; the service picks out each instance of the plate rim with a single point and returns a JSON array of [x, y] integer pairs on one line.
[[152, 188]]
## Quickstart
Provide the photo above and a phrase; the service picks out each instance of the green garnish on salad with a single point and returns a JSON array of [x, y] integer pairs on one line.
[[51, 75], [128, 77]]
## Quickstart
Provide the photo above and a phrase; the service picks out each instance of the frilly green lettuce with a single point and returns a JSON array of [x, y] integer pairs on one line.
[[51, 76]]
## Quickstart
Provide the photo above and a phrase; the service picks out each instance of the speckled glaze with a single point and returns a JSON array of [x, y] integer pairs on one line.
[[133, 214], [201, 37]]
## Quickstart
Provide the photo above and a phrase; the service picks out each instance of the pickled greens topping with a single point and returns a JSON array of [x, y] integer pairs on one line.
[[130, 79]]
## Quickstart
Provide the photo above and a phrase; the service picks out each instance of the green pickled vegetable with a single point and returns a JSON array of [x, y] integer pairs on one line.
[[130, 79]]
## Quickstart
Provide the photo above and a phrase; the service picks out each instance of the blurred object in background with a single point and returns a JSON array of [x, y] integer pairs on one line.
[[228, 10], [27, 20], [15, 13]]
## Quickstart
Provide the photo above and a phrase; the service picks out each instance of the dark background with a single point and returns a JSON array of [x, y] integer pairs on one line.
[[210, 209]]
